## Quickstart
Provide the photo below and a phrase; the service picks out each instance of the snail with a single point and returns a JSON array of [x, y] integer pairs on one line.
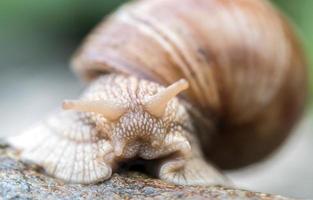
[[192, 85]]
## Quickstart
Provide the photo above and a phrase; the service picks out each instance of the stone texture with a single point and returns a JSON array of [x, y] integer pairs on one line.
[[20, 180]]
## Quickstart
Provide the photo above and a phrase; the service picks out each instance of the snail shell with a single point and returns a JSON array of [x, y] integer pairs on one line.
[[246, 70]]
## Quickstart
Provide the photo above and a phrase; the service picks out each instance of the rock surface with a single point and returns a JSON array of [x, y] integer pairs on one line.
[[20, 180]]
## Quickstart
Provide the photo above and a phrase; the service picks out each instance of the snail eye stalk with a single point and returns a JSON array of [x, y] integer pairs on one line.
[[156, 105], [108, 109]]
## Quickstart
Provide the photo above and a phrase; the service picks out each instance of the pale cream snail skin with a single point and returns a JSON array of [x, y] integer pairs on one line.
[[116, 119], [188, 84]]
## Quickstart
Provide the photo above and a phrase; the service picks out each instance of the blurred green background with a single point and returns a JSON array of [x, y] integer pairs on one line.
[[37, 38]]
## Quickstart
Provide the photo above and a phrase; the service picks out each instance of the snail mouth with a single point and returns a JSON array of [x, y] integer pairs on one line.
[[135, 148], [119, 149], [125, 149]]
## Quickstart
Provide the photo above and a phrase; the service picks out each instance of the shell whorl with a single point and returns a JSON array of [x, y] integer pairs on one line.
[[242, 60]]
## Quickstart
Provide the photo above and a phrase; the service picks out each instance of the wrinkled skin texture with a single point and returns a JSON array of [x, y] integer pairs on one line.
[[85, 147]]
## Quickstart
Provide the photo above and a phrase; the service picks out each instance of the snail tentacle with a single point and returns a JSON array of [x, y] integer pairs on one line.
[[156, 105], [108, 109]]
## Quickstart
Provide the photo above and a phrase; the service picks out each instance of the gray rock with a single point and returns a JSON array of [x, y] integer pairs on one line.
[[20, 180]]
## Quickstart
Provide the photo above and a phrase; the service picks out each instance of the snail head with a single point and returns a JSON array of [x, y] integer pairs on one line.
[[143, 130]]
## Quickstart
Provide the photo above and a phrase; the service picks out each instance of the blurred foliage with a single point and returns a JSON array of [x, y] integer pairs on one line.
[[51, 29], [44, 31], [69, 17]]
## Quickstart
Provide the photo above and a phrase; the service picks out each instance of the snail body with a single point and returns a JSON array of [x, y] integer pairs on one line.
[[116, 119], [247, 86]]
